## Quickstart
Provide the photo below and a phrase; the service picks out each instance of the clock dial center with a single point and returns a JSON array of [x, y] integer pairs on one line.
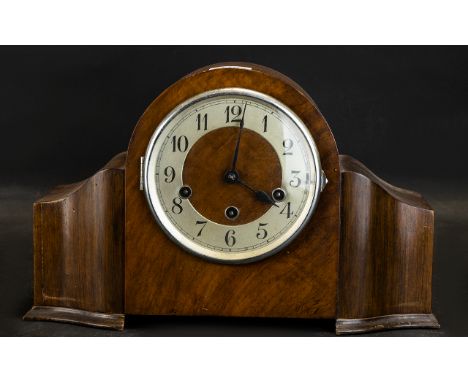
[[231, 176], [215, 187]]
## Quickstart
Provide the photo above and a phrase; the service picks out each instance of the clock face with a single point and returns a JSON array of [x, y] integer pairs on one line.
[[232, 175]]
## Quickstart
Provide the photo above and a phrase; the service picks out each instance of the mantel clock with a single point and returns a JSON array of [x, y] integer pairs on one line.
[[232, 200]]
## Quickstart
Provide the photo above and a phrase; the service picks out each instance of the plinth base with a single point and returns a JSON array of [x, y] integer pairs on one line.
[[76, 316], [392, 321]]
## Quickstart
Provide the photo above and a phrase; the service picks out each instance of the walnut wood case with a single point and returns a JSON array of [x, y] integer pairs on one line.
[[364, 259]]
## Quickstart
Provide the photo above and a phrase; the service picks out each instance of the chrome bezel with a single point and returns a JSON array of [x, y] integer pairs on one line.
[[171, 230]]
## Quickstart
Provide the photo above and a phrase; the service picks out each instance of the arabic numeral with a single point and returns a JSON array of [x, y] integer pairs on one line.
[[287, 210], [288, 145], [295, 181], [179, 144], [202, 122], [233, 113], [262, 232], [229, 238], [265, 123], [203, 224], [177, 205], [169, 172]]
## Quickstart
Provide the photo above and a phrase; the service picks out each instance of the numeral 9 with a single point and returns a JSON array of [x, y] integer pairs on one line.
[[169, 172]]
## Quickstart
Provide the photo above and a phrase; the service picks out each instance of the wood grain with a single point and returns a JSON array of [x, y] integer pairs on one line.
[[392, 321], [387, 247], [99, 253], [300, 281], [76, 316], [78, 243], [258, 166]]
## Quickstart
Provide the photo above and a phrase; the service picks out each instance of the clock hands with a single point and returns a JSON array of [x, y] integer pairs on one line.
[[232, 176], [259, 194], [236, 150]]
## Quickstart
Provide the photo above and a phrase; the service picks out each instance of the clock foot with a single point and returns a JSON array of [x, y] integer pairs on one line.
[[386, 254], [79, 250], [391, 321], [76, 316]]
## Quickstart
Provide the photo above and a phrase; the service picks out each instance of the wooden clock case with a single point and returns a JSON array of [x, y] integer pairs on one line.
[[364, 259]]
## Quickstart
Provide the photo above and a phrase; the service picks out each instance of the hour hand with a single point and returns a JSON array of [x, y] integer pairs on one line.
[[260, 195], [264, 197], [233, 177]]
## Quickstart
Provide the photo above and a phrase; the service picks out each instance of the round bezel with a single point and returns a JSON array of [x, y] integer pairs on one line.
[[186, 242]]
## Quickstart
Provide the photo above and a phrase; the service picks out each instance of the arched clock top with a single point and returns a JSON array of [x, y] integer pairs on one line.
[[238, 75]]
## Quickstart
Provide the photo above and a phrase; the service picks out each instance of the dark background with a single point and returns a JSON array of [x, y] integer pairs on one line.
[[65, 111]]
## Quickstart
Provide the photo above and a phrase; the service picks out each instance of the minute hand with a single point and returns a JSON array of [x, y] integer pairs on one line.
[[236, 151]]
